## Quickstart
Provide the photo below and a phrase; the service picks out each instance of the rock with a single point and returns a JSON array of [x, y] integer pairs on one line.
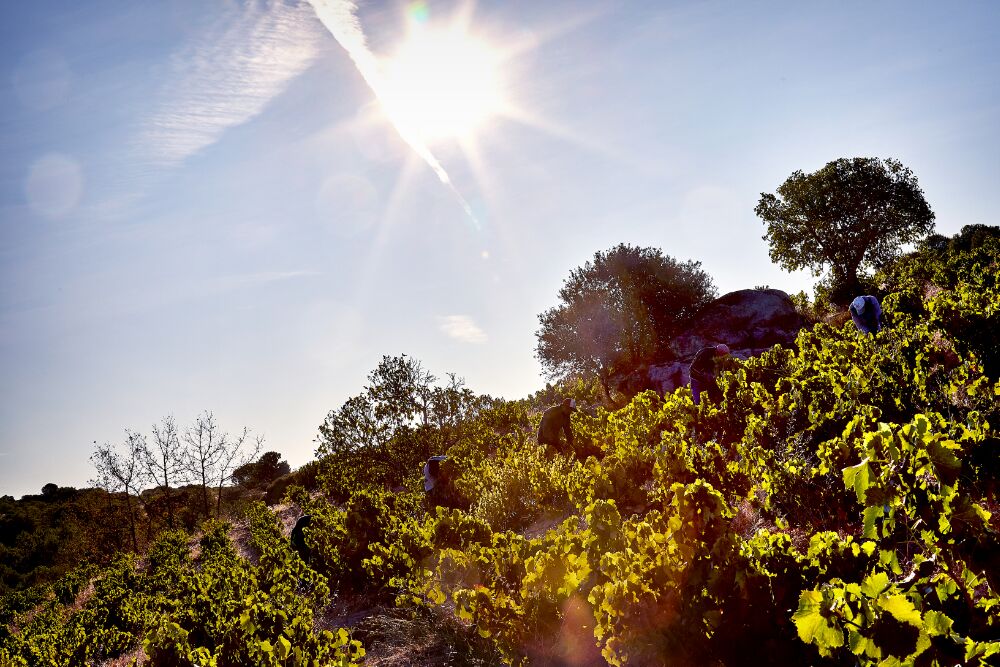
[[743, 320], [748, 321]]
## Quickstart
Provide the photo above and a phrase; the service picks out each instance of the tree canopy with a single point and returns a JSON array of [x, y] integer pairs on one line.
[[403, 415], [263, 471], [618, 310], [850, 216], [970, 237]]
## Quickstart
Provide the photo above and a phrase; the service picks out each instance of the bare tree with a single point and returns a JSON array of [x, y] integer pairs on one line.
[[122, 472], [201, 453], [164, 461], [211, 455], [234, 455]]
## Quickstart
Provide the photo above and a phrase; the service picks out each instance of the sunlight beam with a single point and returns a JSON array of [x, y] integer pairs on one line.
[[340, 18]]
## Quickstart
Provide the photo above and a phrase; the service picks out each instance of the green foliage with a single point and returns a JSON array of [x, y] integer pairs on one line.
[[946, 262], [216, 609], [263, 471], [516, 486], [811, 310], [967, 267], [587, 393], [401, 396], [388, 431], [627, 441], [832, 508], [836, 507], [500, 426], [909, 482], [43, 538], [849, 216], [617, 310], [341, 539]]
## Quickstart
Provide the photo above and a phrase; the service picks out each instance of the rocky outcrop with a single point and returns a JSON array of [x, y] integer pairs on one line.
[[748, 321]]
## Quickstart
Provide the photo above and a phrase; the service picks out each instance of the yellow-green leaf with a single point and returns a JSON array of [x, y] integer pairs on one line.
[[875, 584], [859, 478], [937, 623], [283, 647], [901, 609], [811, 625]]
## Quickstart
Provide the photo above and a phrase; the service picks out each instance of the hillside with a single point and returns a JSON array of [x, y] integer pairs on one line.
[[838, 506]]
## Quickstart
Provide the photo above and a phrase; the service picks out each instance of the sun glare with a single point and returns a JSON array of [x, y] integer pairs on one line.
[[442, 84]]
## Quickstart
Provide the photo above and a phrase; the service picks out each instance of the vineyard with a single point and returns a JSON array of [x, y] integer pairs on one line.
[[838, 506]]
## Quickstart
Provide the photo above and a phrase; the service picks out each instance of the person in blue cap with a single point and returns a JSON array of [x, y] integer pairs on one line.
[[867, 314]]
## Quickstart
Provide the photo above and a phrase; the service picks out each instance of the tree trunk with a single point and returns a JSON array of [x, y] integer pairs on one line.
[[204, 493], [602, 378], [852, 277], [111, 513], [166, 490], [844, 286], [170, 506], [131, 520], [150, 530], [218, 501]]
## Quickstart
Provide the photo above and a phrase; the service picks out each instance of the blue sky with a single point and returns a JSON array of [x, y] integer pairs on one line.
[[201, 206]]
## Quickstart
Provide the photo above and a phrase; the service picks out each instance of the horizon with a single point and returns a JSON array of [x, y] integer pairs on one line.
[[214, 208]]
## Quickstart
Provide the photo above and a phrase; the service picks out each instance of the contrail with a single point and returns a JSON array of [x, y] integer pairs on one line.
[[341, 19]]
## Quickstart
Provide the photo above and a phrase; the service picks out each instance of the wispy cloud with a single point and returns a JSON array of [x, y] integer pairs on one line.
[[228, 74], [462, 328]]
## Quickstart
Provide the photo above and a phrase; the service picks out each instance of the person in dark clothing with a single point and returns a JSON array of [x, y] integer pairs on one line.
[[866, 312], [702, 371], [433, 475], [439, 485], [554, 420], [298, 537], [436, 483]]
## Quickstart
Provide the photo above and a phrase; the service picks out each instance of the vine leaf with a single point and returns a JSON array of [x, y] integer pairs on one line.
[[937, 623], [858, 477], [812, 626], [902, 609]]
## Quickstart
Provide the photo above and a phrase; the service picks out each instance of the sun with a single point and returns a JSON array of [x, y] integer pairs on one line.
[[442, 85]]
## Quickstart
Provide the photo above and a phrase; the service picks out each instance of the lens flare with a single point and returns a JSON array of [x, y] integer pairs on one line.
[[442, 84], [418, 12]]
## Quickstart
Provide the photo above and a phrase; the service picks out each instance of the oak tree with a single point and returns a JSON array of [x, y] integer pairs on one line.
[[263, 471], [618, 310], [850, 216]]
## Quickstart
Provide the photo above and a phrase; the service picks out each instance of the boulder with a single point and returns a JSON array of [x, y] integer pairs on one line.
[[748, 321]]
